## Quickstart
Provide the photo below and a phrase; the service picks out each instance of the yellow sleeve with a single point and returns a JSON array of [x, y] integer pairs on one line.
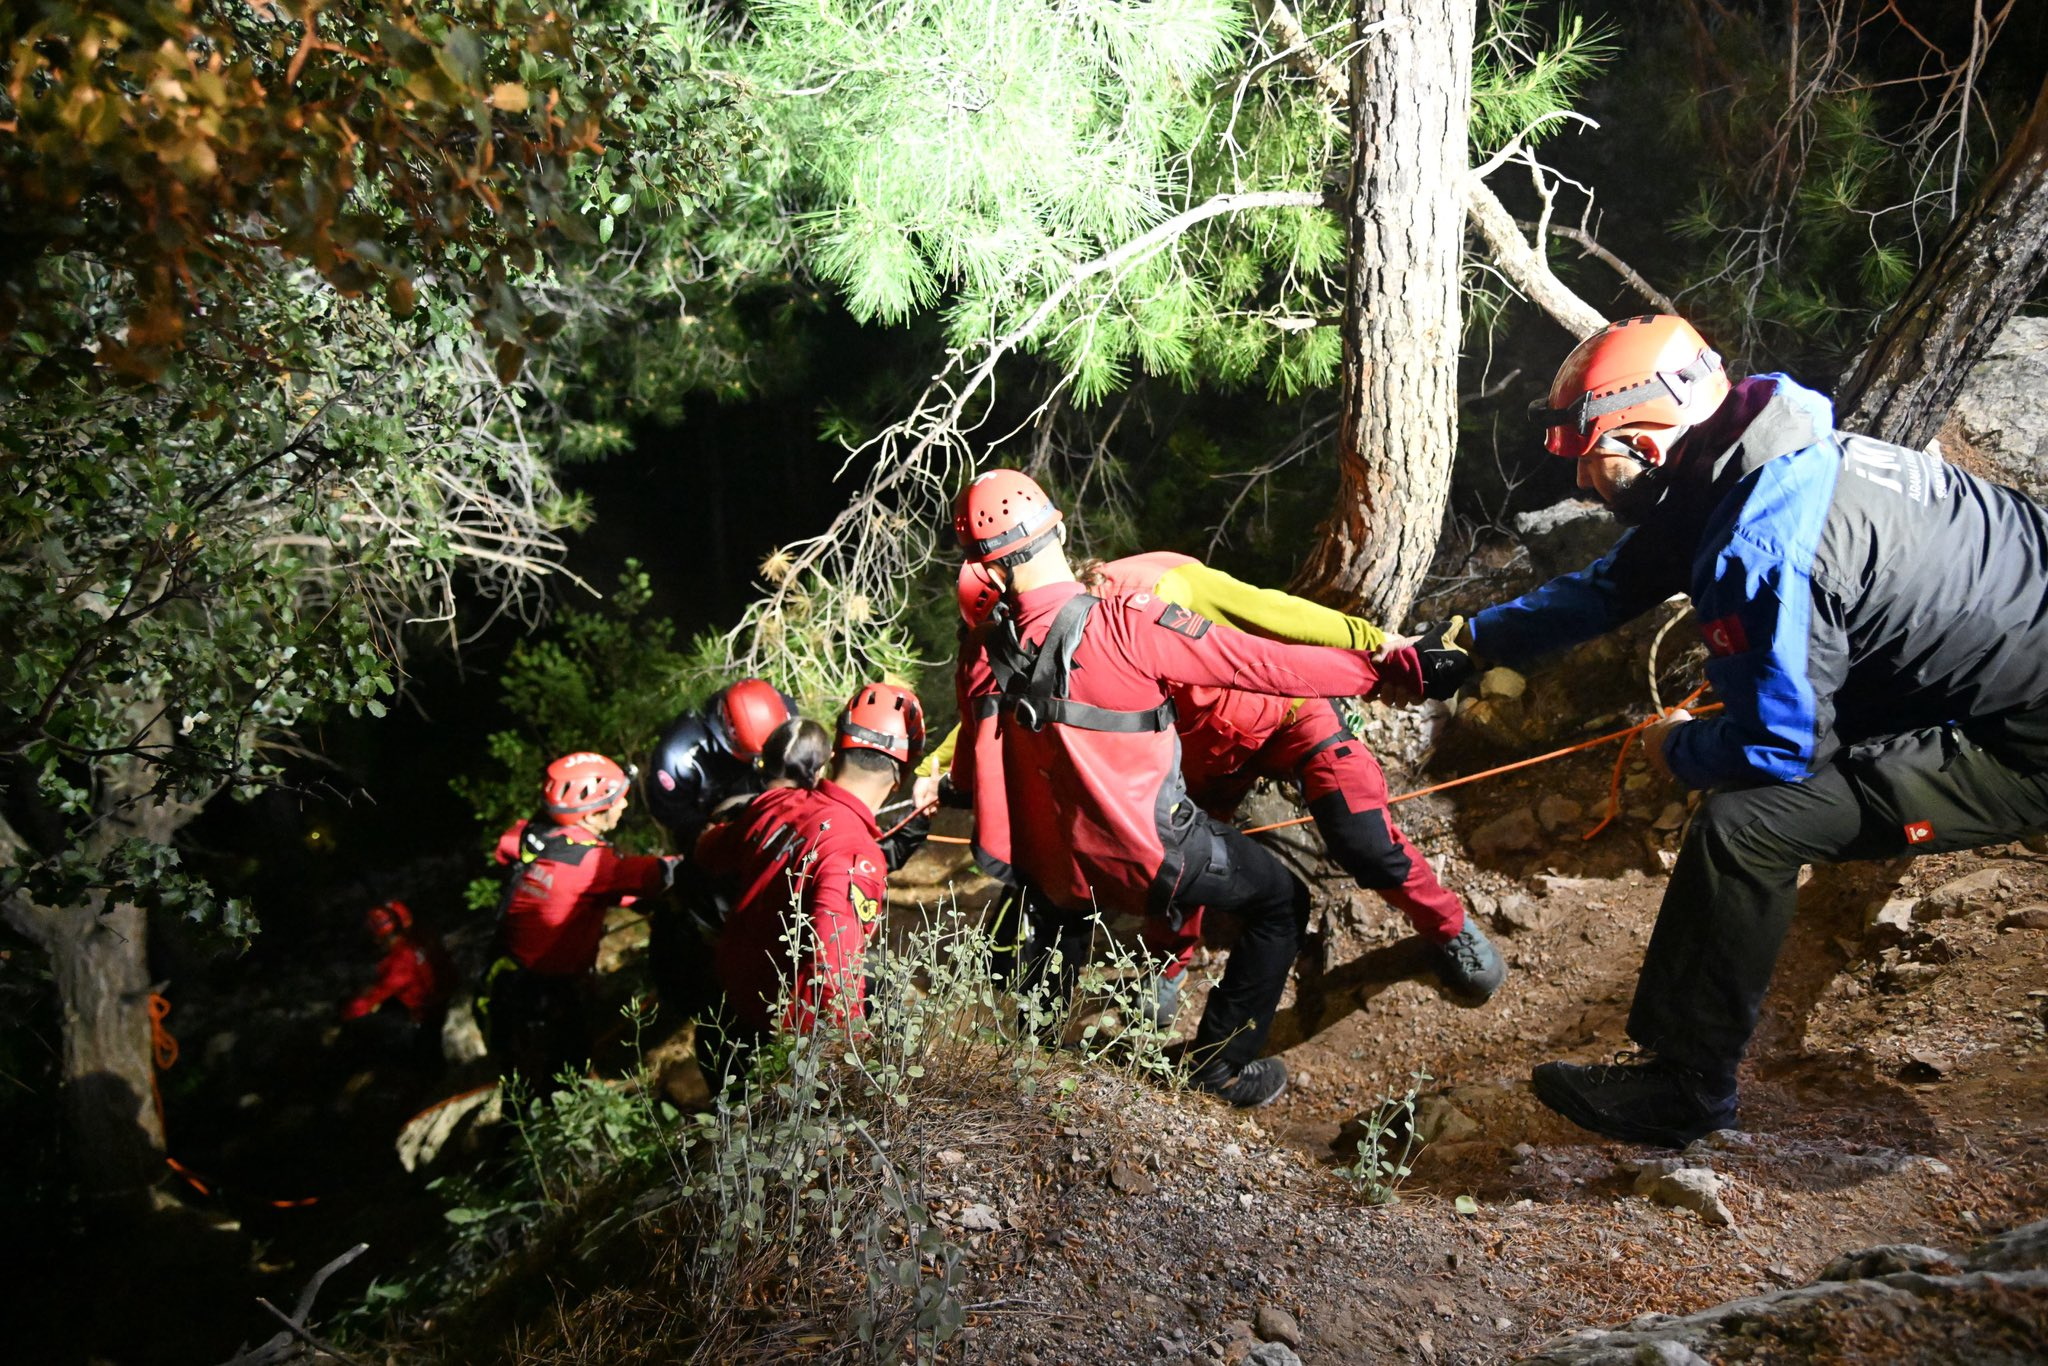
[[940, 758], [1265, 611]]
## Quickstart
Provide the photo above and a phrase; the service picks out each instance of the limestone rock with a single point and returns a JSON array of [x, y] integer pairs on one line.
[[1893, 921], [1502, 685], [2003, 406], [1557, 811], [2026, 918], [1887, 1260], [1274, 1324], [1515, 833], [1439, 1121], [1964, 894], [1567, 536], [1272, 1354], [1525, 914]]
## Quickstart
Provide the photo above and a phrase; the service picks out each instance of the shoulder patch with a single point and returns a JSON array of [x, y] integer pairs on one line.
[[1725, 636], [865, 906], [1175, 617]]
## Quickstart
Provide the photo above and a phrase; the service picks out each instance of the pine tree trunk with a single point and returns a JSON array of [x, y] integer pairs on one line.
[[1410, 85], [1991, 260]]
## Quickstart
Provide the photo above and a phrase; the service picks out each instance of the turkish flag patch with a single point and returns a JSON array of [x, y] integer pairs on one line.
[[1178, 618], [1919, 832], [1725, 636]]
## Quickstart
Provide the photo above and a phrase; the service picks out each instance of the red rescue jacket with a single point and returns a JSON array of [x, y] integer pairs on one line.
[[414, 971], [804, 859], [568, 877], [1100, 817]]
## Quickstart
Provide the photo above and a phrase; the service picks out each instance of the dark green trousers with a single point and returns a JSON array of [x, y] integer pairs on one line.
[[1735, 887]]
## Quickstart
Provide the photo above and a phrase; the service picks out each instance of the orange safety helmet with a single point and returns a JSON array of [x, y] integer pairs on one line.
[[979, 594], [744, 715], [884, 718], [582, 783], [999, 510], [1654, 369], [389, 918]]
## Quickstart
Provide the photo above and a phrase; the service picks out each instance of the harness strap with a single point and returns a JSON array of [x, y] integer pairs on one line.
[[1036, 679]]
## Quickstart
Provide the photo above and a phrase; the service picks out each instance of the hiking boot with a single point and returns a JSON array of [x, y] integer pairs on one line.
[[1469, 967], [1258, 1082], [1646, 1100]]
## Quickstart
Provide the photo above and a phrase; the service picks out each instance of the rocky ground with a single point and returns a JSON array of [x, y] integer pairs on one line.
[[1895, 1094]]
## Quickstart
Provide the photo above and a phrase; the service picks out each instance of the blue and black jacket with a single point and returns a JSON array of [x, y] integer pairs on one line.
[[1846, 589]]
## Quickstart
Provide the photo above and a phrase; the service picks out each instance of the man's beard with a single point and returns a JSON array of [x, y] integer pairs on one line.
[[1634, 502]]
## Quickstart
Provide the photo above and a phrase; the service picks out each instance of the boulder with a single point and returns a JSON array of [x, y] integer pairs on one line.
[[2026, 918], [1566, 536], [1274, 1324], [1556, 811], [1518, 832], [2002, 409]]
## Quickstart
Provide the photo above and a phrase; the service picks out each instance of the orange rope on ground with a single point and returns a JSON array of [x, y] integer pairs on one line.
[[1627, 733], [163, 1048], [1614, 787]]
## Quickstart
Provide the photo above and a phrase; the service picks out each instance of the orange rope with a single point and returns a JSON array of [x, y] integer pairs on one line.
[[1614, 787], [1625, 734], [163, 1049]]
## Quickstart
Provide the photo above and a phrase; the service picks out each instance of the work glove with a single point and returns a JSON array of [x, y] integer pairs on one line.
[[1446, 665], [949, 795], [899, 844]]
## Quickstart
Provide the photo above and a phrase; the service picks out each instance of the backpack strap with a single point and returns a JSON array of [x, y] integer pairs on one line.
[[1039, 678]]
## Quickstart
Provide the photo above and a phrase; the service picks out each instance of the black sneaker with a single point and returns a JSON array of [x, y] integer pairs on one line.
[[1258, 1082], [1468, 966], [1644, 1101]]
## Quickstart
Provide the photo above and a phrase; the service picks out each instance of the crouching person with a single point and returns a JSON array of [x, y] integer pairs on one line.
[[810, 874]]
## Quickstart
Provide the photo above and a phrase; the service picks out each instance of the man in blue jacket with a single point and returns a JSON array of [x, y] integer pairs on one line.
[[1877, 629]]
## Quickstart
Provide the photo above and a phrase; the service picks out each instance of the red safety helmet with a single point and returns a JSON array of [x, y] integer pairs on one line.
[[884, 718], [389, 918], [1002, 517], [1654, 369], [579, 784], [979, 594], [744, 715]]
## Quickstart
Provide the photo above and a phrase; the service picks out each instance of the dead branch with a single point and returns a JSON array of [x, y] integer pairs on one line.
[[285, 1346]]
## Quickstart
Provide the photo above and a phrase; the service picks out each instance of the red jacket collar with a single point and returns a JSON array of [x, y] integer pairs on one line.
[[828, 788]]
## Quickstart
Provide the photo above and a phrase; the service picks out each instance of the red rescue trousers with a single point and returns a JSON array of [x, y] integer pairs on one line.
[[1346, 793]]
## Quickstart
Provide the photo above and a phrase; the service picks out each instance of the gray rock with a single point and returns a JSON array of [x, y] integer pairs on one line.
[[1668, 1354], [1566, 536], [2021, 1249], [2003, 406], [1556, 811], [1693, 1188], [1887, 1260], [2026, 918], [1526, 915], [1964, 894], [1515, 833], [1893, 921], [1272, 1354], [1274, 1324]]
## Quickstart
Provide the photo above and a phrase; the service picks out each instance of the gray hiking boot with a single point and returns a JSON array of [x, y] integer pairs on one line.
[[1258, 1082], [1164, 1003], [1468, 966]]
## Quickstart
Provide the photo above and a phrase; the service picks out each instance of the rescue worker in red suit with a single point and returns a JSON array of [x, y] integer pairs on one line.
[[812, 882], [414, 974], [563, 876], [1231, 738], [1088, 807]]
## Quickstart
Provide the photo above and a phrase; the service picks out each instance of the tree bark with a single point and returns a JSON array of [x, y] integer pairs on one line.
[[1410, 87], [99, 964], [1991, 260]]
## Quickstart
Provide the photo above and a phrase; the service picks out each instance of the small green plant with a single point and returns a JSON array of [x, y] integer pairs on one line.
[[1387, 1147]]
